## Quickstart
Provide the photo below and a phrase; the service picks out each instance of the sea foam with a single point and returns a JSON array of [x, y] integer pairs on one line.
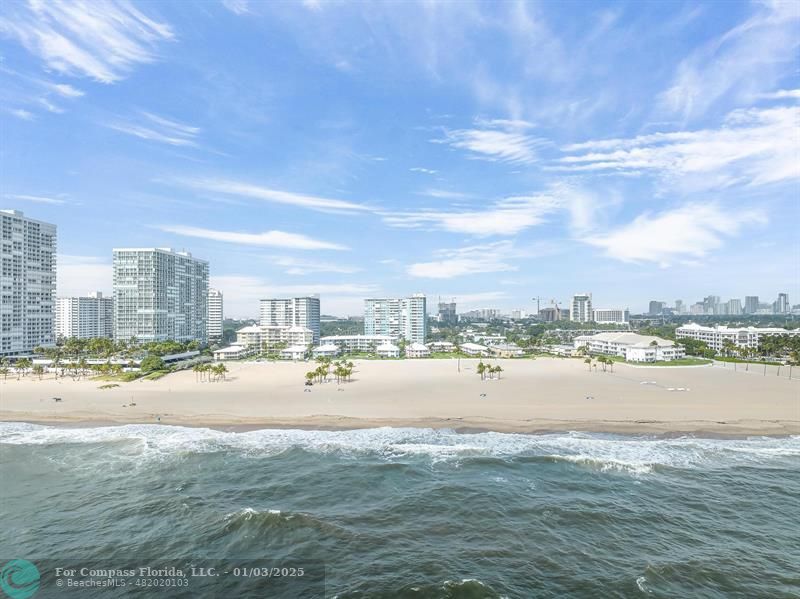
[[632, 454]]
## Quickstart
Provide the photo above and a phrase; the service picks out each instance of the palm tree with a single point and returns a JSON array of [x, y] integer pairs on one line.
[[21, 366], [654, 345], [4, 372], [498, 369], [589, 362], [38, 369], [481, 369], [310, 376]]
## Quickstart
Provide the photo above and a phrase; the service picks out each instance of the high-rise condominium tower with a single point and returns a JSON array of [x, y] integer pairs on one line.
[[405, 318], [27, 283], [292, 312], [214, 314], [159, 294], [85, 317], [581, 307]]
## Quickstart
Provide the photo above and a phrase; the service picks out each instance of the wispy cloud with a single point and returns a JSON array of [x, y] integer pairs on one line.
[[35, 199], [153, 127], [444, 194], [753, 147], [239, 7], [491, 257], [267, 194], [740, 64], [279, 239], [23, 114], [680, 234], [496, 141], [301, 267], [419, 169], [100, 40], [65, 90], [508, 216]]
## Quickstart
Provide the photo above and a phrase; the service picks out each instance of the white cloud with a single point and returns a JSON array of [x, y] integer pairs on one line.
[[300, 266], [23, 114], [153, 127], [494, 143], [476, 259], [685, 233], [444, 194], [239, 7], [782, 94], [419, 169], [66, 90], [753, 147], [35, 199], [278, 239], [740, 64], [77, 275], [248, 190], [101, 40], [508, 216]]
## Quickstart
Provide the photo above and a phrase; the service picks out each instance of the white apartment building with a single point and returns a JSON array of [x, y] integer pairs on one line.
[[270, 336], [27, 283], [214, 314], [292, 312], [358, 343], [160, 294], [631, 346], [581, 307], [85, 317], [611, 316], [404, 318], [715, 336]]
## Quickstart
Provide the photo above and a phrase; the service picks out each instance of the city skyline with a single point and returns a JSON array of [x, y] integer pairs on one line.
[[491, 149]]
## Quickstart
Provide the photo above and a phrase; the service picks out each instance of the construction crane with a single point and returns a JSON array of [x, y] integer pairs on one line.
[[536, 299]]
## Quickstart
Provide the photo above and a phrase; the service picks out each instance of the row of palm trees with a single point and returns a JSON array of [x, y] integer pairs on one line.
[[604, 360], [488, 370], [342, 370], [210, 373], [75, 369]]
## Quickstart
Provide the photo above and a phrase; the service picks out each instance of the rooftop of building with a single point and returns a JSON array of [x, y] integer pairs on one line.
[[632, 339]]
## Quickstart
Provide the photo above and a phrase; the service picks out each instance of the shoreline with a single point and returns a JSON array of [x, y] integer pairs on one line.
[[533, 396]]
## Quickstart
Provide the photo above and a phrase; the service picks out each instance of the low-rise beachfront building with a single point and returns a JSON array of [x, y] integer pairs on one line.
[[488, 339], [474, 349], [506, 350], [716, 336], [417, 350], [388, 350], [442, 346], [294, 352], [631, 346], [329, 350], [358, 343], [233, 352], [273, 335]]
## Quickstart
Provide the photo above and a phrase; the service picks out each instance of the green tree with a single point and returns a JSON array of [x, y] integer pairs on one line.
[[151, 363]]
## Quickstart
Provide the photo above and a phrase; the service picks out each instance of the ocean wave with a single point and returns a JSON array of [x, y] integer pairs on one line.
[[632, 454]]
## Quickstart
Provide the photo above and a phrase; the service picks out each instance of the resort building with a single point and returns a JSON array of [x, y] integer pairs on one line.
[[292, 312], [404, 318], [442, 346], [214, 314], [631, 346], [581, 309], [27, 283], [357, 343], [506, 350], [611, 316], [233, 352], [716, 336], [160, 294], [265, 337], [85, 317], [417, 350], [388, 350], [294, 352], [326, 351], [474, 349]]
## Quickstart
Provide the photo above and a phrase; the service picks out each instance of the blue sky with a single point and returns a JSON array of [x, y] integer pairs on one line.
[[485, 151]]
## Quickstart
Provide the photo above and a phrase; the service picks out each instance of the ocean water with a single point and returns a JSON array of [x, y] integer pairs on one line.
[[414, 513]]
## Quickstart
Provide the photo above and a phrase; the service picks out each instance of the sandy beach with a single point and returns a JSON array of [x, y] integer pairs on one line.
[[532, 396]]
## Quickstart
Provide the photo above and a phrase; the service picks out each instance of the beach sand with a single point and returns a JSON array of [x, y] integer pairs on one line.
[[546, 394]]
